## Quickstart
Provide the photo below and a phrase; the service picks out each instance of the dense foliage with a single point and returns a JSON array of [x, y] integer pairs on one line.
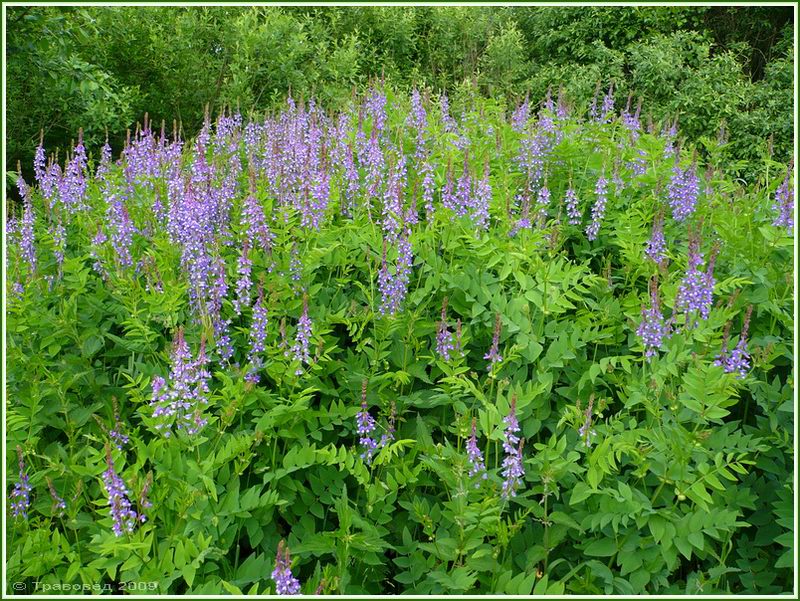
[[401, 349], [103, 68]]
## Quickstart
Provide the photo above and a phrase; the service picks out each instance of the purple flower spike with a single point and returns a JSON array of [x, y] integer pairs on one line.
[[365, 426], [258, 337], [684, 188], [652, 329], [124, 517], [59, 505], [573, 212], [285, 582], [302, 338], [738, 361], [599, 208], [21, 495], [444, 338], [784, 203], [513, 469], [696, 292], [657, 247], [477, 465], [493, 356]]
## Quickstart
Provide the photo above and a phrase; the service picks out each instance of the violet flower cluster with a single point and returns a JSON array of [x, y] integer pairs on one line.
[[598, 209], [513, 469], [393, 285], [738, 360], [573, 212], [652, 329], [656, 248], [444, 338], [684, 188], [494, 356], [21, 495], [285, 582], [180, 401], [365, 426], [123, 516], [302, 338], [696, 291], [477, 464], [784, 203]]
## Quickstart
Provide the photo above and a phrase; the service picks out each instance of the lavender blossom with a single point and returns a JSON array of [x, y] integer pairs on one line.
[[520, 116], [513, 469], [27, 239], [657, 247], [245, 281], [179, 403], [573, 212], [683, 191], [21, 495], [542, 204], [695, 294], [393, 286], [58, 503], [444, 338], [493, 356], [258, 337], [302, 338], [652, 329], [477, 465], [738, 361], [285, 582], [784, 203], [482, 200], [122, 514], [599, 208], [365, 426]]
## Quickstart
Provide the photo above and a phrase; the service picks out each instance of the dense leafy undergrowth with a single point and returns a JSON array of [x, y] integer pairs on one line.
[[391, 351]]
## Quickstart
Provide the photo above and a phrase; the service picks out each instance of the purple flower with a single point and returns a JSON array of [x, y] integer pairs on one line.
[[180, 402], [59, 235], [116, 434], [599, 208], [428, 188], [542, 204], [695, 294], [21, 495], [482, 200], [143, 501], [493, 356], [27, 240], [657, 247], [393, 286], [375, 105], [302, 338], [784, 203], [122, 514], [418, 119], [258, 337], [444, 338], [513, 469], [652, 329], [631, 120], [683, 191], [122, 229], [285, 582], [245, 282], [58, 503], [365, 426], [738, 361], [477, 465], [520, 116], [573, 212]]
